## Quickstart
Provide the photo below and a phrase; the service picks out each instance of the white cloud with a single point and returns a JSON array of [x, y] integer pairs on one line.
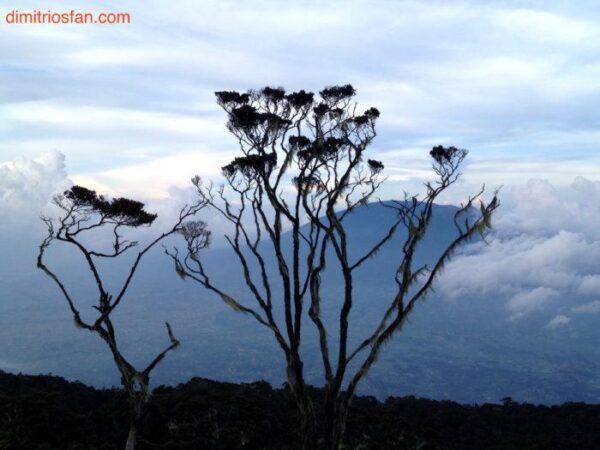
[[154, 178], [85, 117], [543, 254], [524, 303], [26, 185], [541, 209], [559, 321], [546, 27]]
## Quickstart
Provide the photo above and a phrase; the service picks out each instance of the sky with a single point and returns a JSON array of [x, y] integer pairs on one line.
[[132, 106], [130, 109]]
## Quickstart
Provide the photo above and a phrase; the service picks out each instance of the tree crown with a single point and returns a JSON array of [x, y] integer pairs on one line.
[[123, 210]]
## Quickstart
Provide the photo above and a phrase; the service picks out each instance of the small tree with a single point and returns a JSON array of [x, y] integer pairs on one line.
[[83, 212], [303, 168]]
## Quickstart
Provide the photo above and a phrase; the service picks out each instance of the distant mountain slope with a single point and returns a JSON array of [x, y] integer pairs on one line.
[[463, 350]]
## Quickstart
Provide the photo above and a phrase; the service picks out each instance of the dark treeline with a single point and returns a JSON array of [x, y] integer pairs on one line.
[[47, 412]]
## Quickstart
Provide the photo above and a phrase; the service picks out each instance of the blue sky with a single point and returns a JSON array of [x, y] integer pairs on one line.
[[132, 106]]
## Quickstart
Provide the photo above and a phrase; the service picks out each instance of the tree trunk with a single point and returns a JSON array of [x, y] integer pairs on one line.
[[329, 419], [332, 433], [307, 428], [136, 404], [303, 403], [335, 421], [131, 438]]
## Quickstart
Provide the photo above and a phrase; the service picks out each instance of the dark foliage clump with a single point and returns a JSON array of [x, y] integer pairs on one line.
[[300, 99], [372, 112], [247, 116], [82, 196], [299, 142], [129, 212], [273, 94], [320, 109], [375, 166], [227, 97], [337, 93], [45, 412], [250, 165], [321, 150], [443, 154]]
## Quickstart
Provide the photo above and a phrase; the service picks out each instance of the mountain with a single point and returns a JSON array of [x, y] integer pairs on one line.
[[463, 349]]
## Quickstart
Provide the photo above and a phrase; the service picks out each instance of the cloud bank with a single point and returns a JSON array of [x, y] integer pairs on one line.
[[543, 256], [28, 184]]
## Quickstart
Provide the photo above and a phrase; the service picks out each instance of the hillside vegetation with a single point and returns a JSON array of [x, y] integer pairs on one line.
[[47, 412]]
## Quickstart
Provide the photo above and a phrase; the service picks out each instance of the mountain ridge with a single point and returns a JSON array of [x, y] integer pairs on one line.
[[457, 349]]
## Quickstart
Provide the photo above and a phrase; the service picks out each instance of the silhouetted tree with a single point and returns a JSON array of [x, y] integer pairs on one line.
[[303, 169], [82, 211]]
